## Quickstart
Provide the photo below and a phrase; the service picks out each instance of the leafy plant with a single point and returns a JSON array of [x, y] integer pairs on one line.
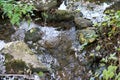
[[107, 69], [15, 10], [109, 73], [111, 23]]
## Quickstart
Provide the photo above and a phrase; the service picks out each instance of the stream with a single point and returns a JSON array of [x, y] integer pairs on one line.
[[59, 50]]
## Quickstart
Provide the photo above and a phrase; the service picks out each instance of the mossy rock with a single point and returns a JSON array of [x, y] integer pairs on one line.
[[87, 35], [33, 34], [61, 15]]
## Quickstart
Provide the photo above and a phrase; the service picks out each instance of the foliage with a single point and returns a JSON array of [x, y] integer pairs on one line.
[[15, 10], [111, 22], [112, 17], [107, 73]]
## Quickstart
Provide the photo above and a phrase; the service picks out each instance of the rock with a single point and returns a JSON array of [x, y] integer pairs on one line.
[[19, 52], [62, 15], [82, 23], [33, 34], [87, 35]]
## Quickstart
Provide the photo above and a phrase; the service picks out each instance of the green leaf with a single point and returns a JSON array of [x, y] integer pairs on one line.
[[45, 15], [98, 47], [117, 77], [41, 73], [113, 57], [112, 68], [15, 18]]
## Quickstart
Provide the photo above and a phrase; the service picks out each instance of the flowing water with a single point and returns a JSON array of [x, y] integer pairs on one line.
[[92, 11], [60, 49], [2, 58]]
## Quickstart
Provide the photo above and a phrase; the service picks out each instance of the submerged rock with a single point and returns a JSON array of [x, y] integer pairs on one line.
[[87, 35], [82, 23], [19, 52], [33, 34]]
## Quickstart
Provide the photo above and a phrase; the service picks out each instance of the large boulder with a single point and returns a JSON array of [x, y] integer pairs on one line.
[[87, 35], [82, 23], [18, 52]]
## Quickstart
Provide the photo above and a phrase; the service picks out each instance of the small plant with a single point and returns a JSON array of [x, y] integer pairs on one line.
[[41, 74], [107, 69], [15, 10], [109, 73]]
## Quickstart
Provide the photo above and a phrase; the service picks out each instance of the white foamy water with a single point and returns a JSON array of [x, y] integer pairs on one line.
[[96, 13], [91, 11], [2, 44], [50, 33], [2, 58], [26, 26], [62, 6]]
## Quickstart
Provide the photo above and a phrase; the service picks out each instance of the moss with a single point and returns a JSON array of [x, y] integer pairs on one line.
[[62, 12], [8, 57], [87, 36], [15, 66]]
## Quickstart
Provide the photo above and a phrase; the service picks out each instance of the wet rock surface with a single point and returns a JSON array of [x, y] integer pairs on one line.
[[82, 23]]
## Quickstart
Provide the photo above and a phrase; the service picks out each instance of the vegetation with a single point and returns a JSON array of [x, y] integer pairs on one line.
[[15, 66], [111, 23], [109, 30], [15, 10]]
